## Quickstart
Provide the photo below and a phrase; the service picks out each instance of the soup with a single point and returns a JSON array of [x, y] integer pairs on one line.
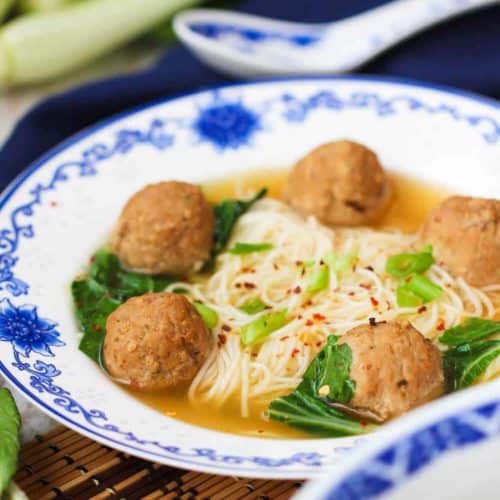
[[334, 300]]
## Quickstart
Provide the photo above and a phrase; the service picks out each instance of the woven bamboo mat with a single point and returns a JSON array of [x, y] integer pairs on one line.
[[64, 465]]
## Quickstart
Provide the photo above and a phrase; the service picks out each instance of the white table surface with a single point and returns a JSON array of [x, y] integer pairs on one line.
[[13, 105]]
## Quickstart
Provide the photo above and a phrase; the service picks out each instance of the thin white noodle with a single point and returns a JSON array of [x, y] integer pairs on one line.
[[278, 277]]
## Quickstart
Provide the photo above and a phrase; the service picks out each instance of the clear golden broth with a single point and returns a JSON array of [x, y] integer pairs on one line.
[[411, 202]]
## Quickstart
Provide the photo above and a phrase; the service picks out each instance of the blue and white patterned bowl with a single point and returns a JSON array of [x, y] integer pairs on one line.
[[62, 208], [447, 450]]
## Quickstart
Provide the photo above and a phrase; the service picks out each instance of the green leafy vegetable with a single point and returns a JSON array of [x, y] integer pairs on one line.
[[307, 408], [319, 279], [463, 364], [10, 424], [330, 369], [406, 264], [226, 214], [93, 305], [407, 298], [470, 330], [209, 316], [244, 248], [253, 306], [311, 414], [121, 284], [262, 327], [97, 296]]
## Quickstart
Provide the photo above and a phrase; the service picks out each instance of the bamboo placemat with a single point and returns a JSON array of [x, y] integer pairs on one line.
[[64, 465]]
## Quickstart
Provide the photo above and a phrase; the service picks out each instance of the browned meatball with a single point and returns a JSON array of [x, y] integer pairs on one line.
[[156, 341], [465, 235], [395, 369], [341, 183], [165, 228]]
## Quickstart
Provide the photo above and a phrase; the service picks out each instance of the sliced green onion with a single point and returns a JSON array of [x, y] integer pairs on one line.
[[208, 315], [405, 264], [408, 298], [318, 280], [262, 327], [470, 330], [243, 248], [253, 306], [340, 263], [424, 287]]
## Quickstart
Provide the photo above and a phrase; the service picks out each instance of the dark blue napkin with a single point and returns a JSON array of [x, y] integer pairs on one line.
[[464, 52]]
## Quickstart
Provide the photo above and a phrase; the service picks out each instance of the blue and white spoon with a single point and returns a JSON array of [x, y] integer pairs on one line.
[[248, 46]]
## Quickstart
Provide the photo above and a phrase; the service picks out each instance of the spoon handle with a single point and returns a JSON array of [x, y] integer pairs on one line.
[[400, 19]]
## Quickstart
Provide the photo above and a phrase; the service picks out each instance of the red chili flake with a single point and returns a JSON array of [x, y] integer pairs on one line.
[[306, 344], [307, 304], [284, 337], [363, 423], [366, 286], [222, 338], [249, 285], [319, 317], [97, 328], [319, 343], [298, 263], [351, 294], [299, 316], [309, 322], [294, 352], [254, 355], [53, 203], [297, 289], [422, 309], [248, 270], [237, 285], [260, 431], [226, 328], [276, 267], [374, 301], [440, 326]]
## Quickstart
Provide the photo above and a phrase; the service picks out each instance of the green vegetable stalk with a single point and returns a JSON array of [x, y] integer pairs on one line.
[[10, 425], [42, 46]]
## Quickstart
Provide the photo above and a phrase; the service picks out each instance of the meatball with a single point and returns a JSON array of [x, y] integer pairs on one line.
[[465, 235], [165, 228], [156, 341], [340, 183], [395, 369]]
